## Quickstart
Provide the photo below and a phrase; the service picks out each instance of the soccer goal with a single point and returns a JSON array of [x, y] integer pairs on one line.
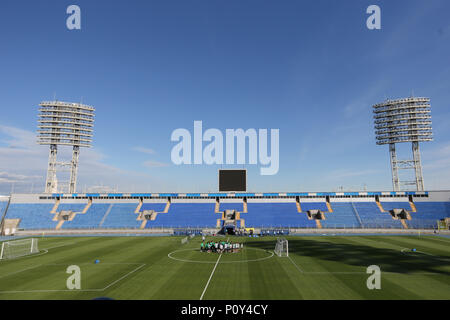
[[18, 248], [282, 247]]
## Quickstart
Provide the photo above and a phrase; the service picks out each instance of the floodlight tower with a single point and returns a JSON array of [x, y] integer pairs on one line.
[[64, 124], [404, 120]]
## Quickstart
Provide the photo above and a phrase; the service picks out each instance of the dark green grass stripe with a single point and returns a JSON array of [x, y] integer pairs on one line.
[[405, 265], [343, 245]]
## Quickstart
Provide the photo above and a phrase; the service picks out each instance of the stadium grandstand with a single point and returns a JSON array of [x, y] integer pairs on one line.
[[169, 212], [232, 209], [224, 154]]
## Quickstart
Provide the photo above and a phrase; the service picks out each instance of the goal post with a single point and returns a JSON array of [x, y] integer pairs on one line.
[[282, 247], [18, 248]]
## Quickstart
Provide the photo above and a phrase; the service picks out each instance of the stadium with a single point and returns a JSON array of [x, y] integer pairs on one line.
[[318, 238], [211, 227]]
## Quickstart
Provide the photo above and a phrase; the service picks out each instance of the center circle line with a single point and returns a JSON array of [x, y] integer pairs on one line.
[[170, 255]]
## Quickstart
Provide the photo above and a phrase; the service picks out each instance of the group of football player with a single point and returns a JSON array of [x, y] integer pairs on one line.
[[220, 247]]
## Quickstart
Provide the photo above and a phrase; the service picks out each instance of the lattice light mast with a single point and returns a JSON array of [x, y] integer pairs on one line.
[[64, 124], [404, 120]]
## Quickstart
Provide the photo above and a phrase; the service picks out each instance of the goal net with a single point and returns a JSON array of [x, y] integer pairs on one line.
[[18, 248], [281, 248]]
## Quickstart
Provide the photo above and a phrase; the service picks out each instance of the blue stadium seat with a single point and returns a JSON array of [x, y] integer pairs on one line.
[[201, 215], [89, 220], [274, 214], [371, 216], [186, 215], [158, 207], [231, 206], [3, 205], [428, 213], [343, 216], [322, 206], [396, 205], [122, 216], [32, 215]]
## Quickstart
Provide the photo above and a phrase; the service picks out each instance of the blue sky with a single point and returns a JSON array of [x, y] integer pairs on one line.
[[311, 69]]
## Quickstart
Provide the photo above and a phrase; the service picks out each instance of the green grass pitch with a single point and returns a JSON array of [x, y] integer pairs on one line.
[[318, 267]]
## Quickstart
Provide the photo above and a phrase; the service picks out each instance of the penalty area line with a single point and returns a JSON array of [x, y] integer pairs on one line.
[[75, 290], [15, 272], [123, 277], [298, 268]]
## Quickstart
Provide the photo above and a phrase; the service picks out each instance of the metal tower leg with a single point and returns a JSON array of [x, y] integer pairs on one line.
[[417, 166], [394, 167], [74, 169], [51, 182]]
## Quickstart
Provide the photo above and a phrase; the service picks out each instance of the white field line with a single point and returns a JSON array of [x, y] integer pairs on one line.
[[298, 268], [44, 251], [439, 239], [212, 273], [170, 255], [61, 245], [15, 272], [428, 254], [210, 277], [49, 291], [88, 263], [362, 272], [79, 290], [383, 272], [123, 277]]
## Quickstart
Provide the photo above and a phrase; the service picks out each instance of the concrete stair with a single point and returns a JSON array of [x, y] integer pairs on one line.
[[88, 205], [299, 207], [55, 207], [405, 225], [330, 209], [138, 208], [244, 205], [167, 207], [217, 207], [377, 201]]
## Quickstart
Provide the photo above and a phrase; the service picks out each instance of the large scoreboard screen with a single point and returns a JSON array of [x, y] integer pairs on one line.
[[232, 180]]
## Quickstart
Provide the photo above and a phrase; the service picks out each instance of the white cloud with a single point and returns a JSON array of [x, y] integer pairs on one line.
[[11, 177], [363, 103], [149, 163], [347, 173], [154, 164], [436, 167], [144, 150], [23, 163]]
